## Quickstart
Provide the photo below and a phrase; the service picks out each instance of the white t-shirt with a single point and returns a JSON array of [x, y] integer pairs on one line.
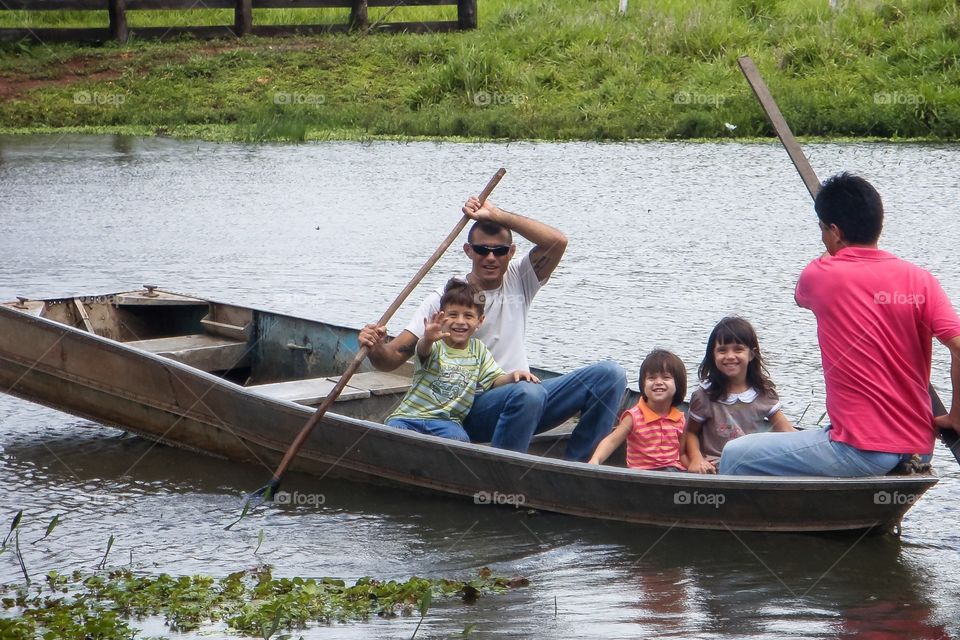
[[504, 327]]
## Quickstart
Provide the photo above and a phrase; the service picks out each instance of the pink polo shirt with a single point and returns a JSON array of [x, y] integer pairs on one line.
[[876, 317]]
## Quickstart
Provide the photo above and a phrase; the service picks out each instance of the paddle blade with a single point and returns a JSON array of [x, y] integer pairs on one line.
[[267, 491], [952, 439], [949, 436]]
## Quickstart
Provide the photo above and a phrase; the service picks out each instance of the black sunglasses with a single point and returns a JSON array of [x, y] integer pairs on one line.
[[499, 250]]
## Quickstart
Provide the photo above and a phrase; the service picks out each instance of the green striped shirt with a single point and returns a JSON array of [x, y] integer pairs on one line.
[[444, 386]]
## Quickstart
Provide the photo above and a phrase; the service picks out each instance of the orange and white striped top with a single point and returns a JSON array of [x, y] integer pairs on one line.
[[654, 440]]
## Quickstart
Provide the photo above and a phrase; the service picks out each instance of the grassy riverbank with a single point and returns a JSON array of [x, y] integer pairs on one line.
[[561, 69]]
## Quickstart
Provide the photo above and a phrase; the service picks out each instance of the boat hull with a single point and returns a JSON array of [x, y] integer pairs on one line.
[[95, 377]]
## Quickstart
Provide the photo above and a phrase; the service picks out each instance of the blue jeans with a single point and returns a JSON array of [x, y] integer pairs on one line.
[[802, 453], [508, 416], [441, 428]]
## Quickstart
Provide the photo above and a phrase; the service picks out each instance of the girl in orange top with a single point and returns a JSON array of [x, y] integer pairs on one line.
[[653, 427]]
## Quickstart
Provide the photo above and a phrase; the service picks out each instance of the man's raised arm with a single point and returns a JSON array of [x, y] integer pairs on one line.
[[550, 243]]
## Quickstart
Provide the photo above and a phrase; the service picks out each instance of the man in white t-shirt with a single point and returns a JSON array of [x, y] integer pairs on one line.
[[508, 416]]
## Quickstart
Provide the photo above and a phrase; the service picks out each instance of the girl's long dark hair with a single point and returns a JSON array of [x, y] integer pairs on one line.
[[734, 329]]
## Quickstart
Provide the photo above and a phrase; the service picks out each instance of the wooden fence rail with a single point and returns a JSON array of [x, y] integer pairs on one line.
[[242, 18]]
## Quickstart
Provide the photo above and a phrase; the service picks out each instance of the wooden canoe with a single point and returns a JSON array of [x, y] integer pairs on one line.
[[239, 383]]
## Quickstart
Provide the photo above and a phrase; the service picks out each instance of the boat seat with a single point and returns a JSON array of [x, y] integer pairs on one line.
[[379, 383], [312, 391], [309, 391], [202, 351]]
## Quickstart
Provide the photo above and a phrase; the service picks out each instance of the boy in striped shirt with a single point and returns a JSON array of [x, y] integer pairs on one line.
[[653, 427], [450, 366]]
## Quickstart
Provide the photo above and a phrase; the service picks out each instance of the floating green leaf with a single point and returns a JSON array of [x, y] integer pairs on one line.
[[103, 561], [243, 513], [13, 526], [260, 537], [50, 527], [425, 601]]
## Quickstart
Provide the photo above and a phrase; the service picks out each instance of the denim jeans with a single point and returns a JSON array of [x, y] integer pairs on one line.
[[508, 416], [441, 428], [802, 453]]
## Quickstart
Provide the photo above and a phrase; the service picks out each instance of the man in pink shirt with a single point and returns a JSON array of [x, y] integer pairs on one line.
[[876, 318]]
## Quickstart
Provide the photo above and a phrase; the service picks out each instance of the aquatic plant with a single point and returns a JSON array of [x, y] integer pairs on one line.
[[23, 565], [103, 561], [50, 527], [102, 605], [13, 526]]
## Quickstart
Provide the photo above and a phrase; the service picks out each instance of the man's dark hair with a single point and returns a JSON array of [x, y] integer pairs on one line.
[[489, 228], [851, 203], [462, 293]]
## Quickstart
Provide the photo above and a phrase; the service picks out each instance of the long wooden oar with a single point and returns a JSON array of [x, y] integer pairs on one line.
[[270, 488], [949, 436]]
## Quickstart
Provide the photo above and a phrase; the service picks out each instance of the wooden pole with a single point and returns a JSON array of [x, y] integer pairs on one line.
[[118, 20], [467, 14], [270, 488], [623, 7], [243, 18], [780, 127], [358, 15]]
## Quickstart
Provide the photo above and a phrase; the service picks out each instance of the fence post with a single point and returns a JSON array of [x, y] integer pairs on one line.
[[467, 14], [243, 18], [358, 15], [118, 20]]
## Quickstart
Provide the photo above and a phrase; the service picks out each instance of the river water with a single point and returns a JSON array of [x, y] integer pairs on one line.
[[665, 239]]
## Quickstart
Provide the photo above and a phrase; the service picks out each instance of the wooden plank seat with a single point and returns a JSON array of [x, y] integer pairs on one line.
[[309, 391], [312, 391], [560, 431], [205, 352], [379, 383]]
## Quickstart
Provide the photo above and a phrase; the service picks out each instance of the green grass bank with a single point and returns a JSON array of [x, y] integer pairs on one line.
[[560, 69]]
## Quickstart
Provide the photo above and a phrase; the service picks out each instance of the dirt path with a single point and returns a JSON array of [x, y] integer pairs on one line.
[[69, 72], [82, 67]]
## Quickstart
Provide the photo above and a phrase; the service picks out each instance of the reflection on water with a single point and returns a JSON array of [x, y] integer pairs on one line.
[[665, 240], [589, 579]]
